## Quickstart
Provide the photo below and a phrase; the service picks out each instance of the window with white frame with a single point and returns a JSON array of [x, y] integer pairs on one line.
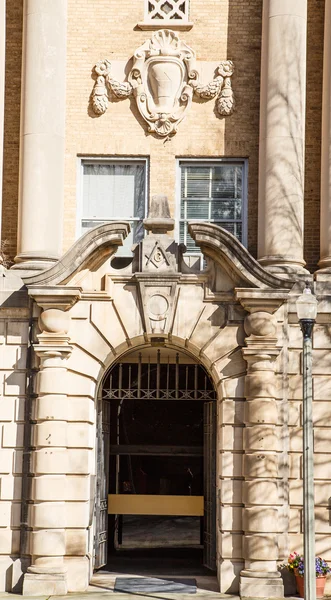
[[167, 10], [114, 190], [214, 192]]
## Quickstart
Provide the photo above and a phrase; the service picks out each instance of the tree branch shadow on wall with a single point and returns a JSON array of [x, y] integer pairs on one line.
[[242, 134], [19, 385]]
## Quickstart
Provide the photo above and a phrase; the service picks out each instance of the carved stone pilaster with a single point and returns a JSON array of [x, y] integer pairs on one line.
[[260, 577], [47, 517]]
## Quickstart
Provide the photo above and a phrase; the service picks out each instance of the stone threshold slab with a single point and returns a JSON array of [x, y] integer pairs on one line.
[[105, 595]]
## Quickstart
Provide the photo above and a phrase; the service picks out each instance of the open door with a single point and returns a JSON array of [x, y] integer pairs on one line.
[[101, 529], [209, 469]]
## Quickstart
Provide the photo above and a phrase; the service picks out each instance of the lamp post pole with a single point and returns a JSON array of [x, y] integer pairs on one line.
[[307, 310]]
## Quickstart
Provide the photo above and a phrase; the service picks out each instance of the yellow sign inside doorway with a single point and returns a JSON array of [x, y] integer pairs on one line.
[[141, 504]]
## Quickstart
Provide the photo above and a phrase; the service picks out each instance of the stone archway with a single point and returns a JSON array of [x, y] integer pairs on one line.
[[156, 383], [90, 315]]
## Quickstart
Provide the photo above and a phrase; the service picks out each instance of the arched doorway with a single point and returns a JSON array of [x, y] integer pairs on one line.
[[156, 472]]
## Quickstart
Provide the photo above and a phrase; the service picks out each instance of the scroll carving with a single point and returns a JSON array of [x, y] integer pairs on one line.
[[163, 81]]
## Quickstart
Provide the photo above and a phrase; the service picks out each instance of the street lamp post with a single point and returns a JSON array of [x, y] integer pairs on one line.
[[307, 311]]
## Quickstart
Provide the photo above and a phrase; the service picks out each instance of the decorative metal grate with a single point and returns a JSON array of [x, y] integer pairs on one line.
[[167, 10], [162, 394], [160, 380]]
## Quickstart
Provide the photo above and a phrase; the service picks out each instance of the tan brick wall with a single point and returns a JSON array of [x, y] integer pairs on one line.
[[14, 15], [222, 29], [313, 132]]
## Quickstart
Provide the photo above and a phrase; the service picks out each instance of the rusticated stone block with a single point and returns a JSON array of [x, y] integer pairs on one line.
[[47, 515], [231, 518], [50, 461], [50, 433], [261, 437], [231, 491], [14, 384], [17, 332], [231, 545], [75, 542], [10, 487], [255, 491], [233, 412], [260, 384], [322, 492], [49, 380], [261, 547], [13, 435], [256, 519], [261, 465], [261, 411], [231, 438], [231, 464], [52, 544], [322, 388]]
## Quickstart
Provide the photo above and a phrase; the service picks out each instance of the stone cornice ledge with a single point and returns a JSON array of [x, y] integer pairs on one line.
[[222, 246], [155, 24], [51, 296], [265, 300], [93, 247]]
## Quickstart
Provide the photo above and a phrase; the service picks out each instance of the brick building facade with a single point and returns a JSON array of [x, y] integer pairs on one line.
[[219, 106]]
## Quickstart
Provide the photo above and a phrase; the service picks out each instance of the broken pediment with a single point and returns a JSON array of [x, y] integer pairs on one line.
[[229, 254], [157, 276], [229, 264]]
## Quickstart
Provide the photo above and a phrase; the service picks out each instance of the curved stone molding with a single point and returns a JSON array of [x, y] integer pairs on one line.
[[163, 80], [95, 246], [224, 248]]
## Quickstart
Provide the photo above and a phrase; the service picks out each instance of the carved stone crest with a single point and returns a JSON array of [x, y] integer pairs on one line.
[[163, 81], [157, 257]]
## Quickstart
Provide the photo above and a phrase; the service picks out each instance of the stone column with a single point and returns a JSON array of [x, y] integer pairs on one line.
[[261, 523], [47, 517], [282, 135], [325, 258], [42, 134]]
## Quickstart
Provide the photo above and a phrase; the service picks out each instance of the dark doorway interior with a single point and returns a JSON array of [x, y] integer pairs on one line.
[[161, 455], [153, 436]]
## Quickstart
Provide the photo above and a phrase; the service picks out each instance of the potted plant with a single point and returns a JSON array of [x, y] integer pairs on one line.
[[296, 564]]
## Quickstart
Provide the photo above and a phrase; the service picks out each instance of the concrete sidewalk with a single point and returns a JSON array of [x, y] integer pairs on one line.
[[102, 588], [95, 593], [103, 595]]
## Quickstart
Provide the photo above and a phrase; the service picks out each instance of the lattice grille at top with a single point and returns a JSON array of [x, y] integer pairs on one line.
[[167, 10]]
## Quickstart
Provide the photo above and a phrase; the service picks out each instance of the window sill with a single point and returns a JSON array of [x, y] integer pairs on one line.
[[163, 24]]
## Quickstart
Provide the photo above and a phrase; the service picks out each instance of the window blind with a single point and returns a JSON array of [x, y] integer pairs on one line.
[[114, 192], [211, 193]]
